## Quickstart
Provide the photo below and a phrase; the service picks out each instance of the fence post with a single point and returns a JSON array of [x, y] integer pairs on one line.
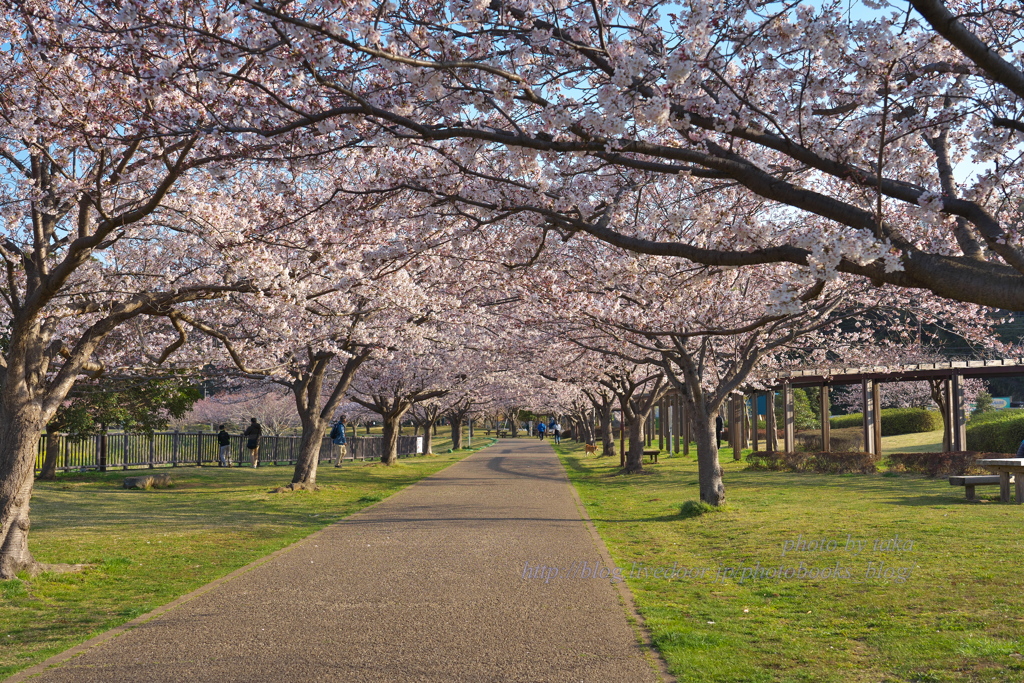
[[174, 449], [152, 449], [199, 449], [124, 459]]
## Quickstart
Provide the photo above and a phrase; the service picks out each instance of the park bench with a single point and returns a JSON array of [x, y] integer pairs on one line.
[[653, 453], [502, 433], [977, 480]]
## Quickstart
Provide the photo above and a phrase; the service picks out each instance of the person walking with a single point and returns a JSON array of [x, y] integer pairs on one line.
[[541, 427], [253, 434], [224, 441], [338, 439], [556, 431]]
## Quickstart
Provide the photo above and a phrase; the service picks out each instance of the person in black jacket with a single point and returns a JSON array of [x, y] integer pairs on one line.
[[719, 429], [253, 434], [224, 441]]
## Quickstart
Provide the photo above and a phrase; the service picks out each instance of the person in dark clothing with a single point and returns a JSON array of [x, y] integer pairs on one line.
[[224, 441], [253, 434], [719, 429], [338, 439]]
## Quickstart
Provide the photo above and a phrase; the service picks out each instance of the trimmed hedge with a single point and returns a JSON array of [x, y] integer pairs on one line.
[[839, 440], [955, 463], [895, 421], [848, 462], [996, 435]]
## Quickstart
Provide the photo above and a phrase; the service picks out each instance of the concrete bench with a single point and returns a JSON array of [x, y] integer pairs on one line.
[[977, 480]]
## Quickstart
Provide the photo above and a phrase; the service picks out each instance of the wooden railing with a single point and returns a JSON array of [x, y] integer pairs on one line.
[[115, 450]]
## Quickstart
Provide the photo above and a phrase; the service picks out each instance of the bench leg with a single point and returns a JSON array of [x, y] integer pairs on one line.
[[1004, 487], [1018, 485], [969, 489]]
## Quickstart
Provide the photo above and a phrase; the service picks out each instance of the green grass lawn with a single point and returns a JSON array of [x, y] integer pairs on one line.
[[949, 608], [145, 548], [919, 442]]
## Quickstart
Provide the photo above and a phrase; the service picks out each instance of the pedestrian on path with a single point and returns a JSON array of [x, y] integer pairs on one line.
[[541, 427], [254, 432], [556, 431], [338, 439], [224, 441]]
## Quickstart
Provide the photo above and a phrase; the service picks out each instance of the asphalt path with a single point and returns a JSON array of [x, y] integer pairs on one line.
[[452, 579]]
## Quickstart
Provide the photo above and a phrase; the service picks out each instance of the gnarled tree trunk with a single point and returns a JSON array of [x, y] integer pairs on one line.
[[391, 427], [19, 440], [709, 471], [49, 469], [313, 430], [456, 424], [635, 452]]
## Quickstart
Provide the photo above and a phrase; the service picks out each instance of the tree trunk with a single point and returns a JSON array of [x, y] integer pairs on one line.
[[102, 448], [304, 477], [635, 453], [19, 440], [49, 469], [607, 435], [428, 438], [390, 454], [456, 433], [709, 472]]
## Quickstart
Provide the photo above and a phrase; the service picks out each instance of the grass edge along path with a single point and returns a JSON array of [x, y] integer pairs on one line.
[[148, 549], [948, 606]]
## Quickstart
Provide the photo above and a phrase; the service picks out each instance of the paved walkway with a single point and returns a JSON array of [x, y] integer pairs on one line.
[[427, 585]]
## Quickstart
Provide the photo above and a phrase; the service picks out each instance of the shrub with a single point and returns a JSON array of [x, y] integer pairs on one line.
[[819, 463], [996, 416], [839, 440], [847, 421], [955, 463], [895, 421], [696, 508], [996, 435]]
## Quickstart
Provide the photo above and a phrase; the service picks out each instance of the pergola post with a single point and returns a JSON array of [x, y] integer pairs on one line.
[[789, 417], [687, 425], [736, 427], [876, 407], [869, 415], [959, 410], [949, 417], [753, 425], [677, 422], [661, 425], [770, 432], [826, 427]]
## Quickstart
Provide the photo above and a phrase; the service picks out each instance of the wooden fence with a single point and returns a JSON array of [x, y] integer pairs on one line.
[[173, 449]]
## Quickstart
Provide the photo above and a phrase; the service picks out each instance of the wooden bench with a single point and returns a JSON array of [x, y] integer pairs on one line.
[[653, 454], [977, 480], [501, 433]]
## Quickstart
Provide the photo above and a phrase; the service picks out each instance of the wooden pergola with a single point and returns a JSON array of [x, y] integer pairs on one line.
[[674, 425]]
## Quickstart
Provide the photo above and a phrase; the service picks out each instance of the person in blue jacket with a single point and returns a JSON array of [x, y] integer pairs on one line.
[[338, 439], [541, 427]]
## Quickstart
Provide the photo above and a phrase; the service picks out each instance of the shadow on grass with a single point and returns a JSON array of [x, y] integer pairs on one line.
[[206, 497]]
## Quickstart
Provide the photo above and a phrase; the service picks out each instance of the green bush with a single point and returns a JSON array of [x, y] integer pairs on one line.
[[821, 463], [696, 508], [956, 463], [839, 440], [895, 421], [1000, 435], [996, 416], [846, 421]]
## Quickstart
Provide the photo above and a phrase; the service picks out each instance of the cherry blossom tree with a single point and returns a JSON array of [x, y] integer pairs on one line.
[[891, 136], [102, 207]]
